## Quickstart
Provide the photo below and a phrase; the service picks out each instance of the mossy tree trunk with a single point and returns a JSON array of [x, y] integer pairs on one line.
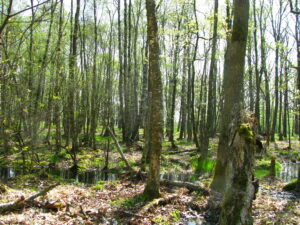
[[234, 169], [237, 200]]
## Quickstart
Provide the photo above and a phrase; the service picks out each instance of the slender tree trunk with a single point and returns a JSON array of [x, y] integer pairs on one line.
[[250, 72], [211, 102], [211, 108], [59, 72], [121, 73], [72, 86], [93, 116], [257, 74]]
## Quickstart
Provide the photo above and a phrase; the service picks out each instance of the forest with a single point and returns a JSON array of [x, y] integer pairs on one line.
[[150, 112]]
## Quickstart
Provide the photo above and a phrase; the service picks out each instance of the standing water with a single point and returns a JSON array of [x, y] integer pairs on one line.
[[289, 171]]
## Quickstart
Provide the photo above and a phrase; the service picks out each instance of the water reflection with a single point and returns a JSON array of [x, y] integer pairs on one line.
[[289, 171], [88, 177], [6, 173]]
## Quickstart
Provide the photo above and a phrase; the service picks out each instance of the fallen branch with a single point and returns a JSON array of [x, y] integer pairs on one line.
[[119, 149], [189, 186], [129, 214], [157, 202], [180, 152], [22, 202]]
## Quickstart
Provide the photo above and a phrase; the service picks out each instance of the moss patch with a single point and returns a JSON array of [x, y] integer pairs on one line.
[[245, 130]]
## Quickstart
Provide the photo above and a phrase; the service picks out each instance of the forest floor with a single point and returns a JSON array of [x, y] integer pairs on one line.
[[121, 202]]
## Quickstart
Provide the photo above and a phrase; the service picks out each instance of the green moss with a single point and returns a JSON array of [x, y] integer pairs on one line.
[[203, 165], [265, 164], [245, 130], [129, 202], [172, 218], [99, 185], [260, 173], [185, 143]]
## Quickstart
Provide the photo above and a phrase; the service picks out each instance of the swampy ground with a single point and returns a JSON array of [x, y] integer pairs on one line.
[[119, 201]]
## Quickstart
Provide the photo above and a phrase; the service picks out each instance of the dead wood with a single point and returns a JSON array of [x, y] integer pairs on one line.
[[188, 185], [189, 151], [22, 202], [158, 202], [119, 149], [126, 213]]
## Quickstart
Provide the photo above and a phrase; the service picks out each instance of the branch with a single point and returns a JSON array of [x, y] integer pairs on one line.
[[22, 202], [8, 16], [188, 185], [292, 8], [24, 10], [119, 148]]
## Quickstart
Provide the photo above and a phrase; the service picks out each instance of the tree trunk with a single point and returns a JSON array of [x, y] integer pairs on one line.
[[211, 108], [257, 74], [211, 102], [156, 103], [72, 86], [234, 167]]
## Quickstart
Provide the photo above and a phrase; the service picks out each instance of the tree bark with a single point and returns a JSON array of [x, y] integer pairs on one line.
[[235, 159], [156, 103]]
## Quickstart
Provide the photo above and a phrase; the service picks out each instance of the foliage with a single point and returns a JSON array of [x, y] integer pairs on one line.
[[204, 165]]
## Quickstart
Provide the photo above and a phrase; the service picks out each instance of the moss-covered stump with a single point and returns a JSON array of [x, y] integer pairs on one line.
[[3, 188]]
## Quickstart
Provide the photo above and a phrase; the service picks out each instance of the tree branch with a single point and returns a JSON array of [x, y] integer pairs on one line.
[[9, 15]]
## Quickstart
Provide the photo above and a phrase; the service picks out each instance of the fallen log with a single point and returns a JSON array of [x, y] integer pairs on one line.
[[160, 201], [22, 202], [180, 152], [188, 185]]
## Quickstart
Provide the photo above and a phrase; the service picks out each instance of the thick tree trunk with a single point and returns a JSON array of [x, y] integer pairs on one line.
[[156, 103], [234, 168]]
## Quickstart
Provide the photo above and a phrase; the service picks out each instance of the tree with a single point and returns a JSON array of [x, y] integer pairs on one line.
[[211, 108], [233, 173], [72, 86], [156, 104]]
